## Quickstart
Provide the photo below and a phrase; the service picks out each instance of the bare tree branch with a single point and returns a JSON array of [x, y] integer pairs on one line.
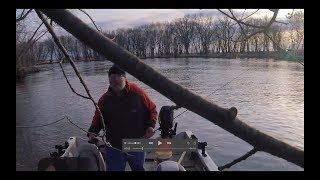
[[280, 22], [30, 45], [243, 13], [243, 33], [274, 10], [91, 19], [64, 74], [95, 23], [244, 157], [241, 19], [263, 28], [290, 15], [238, 21], [23, 16], [251, 25], [301, 63], [278, 46], [59, 44], [249, 15]]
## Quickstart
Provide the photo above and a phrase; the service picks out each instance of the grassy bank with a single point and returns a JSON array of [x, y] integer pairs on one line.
[[22, 72]]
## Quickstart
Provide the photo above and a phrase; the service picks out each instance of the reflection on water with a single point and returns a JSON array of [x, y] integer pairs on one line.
[[269, 96]]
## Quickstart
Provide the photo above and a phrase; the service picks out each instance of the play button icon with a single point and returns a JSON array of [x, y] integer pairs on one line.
[[159, 142]]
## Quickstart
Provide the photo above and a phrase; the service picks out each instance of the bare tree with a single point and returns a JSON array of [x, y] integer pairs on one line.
[[192, 34], [50, 48], [296, 32], [276, 36], [151, 34], [26, 40], [121, 38], [185, 31], [204, 29], [225, 34], [40, 52]]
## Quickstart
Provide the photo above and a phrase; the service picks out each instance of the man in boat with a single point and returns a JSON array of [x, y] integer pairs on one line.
[[128, 113]]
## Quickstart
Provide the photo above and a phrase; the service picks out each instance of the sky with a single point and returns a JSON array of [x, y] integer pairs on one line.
[[112, 19]]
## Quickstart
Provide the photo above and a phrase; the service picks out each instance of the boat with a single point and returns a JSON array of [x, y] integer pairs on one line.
[[79, 154]]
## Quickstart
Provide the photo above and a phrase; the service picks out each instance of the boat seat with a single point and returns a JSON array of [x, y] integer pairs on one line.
[[170, 166]]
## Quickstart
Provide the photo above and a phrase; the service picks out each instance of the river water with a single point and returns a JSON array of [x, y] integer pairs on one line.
[[268, 94]]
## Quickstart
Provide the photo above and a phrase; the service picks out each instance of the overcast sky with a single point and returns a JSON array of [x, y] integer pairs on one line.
[[111, 19], [126, 18]]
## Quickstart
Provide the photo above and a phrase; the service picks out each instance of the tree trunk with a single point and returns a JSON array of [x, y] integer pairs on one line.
[[182, 97]]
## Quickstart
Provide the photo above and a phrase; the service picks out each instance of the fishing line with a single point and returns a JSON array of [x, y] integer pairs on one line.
[[217, 89]]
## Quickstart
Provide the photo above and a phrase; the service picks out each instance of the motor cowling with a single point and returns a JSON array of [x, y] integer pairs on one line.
[[166, 122]]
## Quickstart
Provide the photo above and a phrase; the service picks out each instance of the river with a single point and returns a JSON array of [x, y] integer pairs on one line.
[[269, 95]]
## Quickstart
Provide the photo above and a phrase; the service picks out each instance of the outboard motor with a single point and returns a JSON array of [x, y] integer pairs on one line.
[[166, 122]]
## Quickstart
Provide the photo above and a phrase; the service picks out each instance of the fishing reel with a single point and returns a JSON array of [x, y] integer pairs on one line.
[[166, 122]]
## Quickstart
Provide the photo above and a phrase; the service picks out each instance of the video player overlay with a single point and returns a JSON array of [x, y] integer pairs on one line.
[[139, 145]]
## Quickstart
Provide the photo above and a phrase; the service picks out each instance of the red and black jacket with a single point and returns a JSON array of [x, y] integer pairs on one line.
[[127, 116]]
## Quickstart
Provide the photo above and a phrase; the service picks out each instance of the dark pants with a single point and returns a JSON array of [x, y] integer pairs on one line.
[[116, 160]]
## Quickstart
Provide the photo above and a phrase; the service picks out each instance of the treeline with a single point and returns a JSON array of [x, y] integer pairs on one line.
[[192, 34]]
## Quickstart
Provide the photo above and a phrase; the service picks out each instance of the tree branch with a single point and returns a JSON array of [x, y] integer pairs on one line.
[[23, 16], [64, 74], [244, 157], [91, 19], [238, 21], [249, 15], [245, 35], [59, 44], [26, 49], [281, 22], [290, 15], [241, 19], [251, 25], [278, 46]]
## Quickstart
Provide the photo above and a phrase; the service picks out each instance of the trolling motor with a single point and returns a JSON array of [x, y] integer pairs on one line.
[[60, 149], [166, 122]]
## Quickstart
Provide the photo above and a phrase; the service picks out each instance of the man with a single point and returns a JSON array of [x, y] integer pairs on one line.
[[128, 113]]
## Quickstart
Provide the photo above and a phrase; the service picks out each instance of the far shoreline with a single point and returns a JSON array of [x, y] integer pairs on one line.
[[257, 55], [288, 56]]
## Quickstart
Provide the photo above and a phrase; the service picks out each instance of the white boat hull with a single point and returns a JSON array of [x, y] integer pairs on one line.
[[191, 161]]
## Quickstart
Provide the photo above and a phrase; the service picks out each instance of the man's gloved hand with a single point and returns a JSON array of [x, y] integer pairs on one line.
[[149, 132], [91, 136]]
